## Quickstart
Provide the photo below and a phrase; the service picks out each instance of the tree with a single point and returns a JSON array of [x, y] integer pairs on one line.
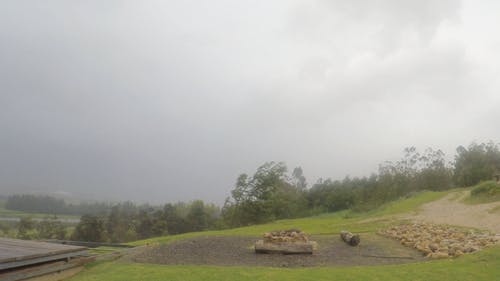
[[25, 228], [298, 178], [90, 228], [51, 229], [265, 196], [476, 163], [176, 224], [197, 218]]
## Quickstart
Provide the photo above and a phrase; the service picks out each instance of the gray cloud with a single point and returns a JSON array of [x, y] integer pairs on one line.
[[162, 101]]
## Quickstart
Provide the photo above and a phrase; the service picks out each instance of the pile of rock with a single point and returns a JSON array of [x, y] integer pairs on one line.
[[291, 235], [439, 241], [292, 241]]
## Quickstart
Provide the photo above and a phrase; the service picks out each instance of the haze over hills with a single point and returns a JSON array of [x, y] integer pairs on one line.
[[161, 101]]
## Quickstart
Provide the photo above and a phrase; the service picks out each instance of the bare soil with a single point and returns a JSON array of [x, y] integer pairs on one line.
[[451, 210], [238, 251]]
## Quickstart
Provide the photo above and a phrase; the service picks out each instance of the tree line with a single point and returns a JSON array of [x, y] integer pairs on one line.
[[128, 222], [50, 205], [273, 193]]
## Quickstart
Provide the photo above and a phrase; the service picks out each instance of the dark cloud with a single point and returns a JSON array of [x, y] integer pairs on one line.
[[163, 101]]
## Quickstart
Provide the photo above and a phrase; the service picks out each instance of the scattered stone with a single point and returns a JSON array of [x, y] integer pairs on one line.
[[291, 235], [440, 241], [292, 241]]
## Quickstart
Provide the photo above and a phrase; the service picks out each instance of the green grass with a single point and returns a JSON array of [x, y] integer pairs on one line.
[[321, 224], [4, 213], [483, 265], [484, 192], [104, 250], [407, 205]]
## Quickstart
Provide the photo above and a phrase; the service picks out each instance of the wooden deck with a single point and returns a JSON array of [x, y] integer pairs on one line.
[[16, 253]]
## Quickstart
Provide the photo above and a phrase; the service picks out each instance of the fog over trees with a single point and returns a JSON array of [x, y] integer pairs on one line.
[[156, 101], [272, 192]]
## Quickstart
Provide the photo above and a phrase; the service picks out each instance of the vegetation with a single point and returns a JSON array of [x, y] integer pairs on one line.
[[50, 205], [129, 222], [484, 265], [478, 162], [271, 193], [329, 223], [484, 192], [266, 196]]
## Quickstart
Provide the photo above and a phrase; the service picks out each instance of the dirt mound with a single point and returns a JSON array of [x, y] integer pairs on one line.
[[439, 241], [238, 251]]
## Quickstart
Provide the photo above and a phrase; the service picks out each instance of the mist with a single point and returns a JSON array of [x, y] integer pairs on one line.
[[161, 101]]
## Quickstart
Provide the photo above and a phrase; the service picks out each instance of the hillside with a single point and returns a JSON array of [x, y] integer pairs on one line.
[[451, 209], [482, 265]]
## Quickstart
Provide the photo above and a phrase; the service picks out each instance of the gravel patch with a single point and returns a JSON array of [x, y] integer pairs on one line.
[[238, 251]]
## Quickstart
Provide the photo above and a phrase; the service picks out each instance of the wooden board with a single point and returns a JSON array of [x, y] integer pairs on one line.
[[16, 253]]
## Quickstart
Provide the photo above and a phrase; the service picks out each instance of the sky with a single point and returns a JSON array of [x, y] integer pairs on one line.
[[165, 101]]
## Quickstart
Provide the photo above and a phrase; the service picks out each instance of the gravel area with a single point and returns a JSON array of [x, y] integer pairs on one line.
[[238, 251]]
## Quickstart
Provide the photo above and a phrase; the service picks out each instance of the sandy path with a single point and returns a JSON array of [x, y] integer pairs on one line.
[[450, 210]]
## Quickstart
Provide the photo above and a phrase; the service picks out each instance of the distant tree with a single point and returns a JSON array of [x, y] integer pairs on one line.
[[197, 218], [476, 163], [4, 228], [25, 228], [299, 180], [434, 174], [265, 196], [145, 226], [90, 228], [51, 228], [175, 218], [159, 225]]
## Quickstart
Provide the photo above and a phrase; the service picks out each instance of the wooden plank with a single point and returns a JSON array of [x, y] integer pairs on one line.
[[88, 244], [15, 252], [41, 259]]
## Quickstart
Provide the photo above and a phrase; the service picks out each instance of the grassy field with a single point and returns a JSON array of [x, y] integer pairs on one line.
[[4, 213], [484, 265]]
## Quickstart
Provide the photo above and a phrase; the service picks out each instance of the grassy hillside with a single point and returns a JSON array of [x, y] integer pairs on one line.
[[323, 224], [483, 265], [485, 192]]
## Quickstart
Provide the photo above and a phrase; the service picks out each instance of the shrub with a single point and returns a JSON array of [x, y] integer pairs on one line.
[[487, 188]]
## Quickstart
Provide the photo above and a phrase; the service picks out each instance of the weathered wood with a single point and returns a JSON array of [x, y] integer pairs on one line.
[[15, 253], [286, 248], [88, 244], [349, 238]]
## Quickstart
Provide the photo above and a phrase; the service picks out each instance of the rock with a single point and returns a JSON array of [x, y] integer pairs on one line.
[[434, 247], [292, 241], [437, 240]]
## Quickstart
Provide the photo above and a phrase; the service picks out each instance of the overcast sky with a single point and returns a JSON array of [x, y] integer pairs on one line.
[[171, 100]]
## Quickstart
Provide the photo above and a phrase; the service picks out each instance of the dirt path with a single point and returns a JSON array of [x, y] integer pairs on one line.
[[451, 210]]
